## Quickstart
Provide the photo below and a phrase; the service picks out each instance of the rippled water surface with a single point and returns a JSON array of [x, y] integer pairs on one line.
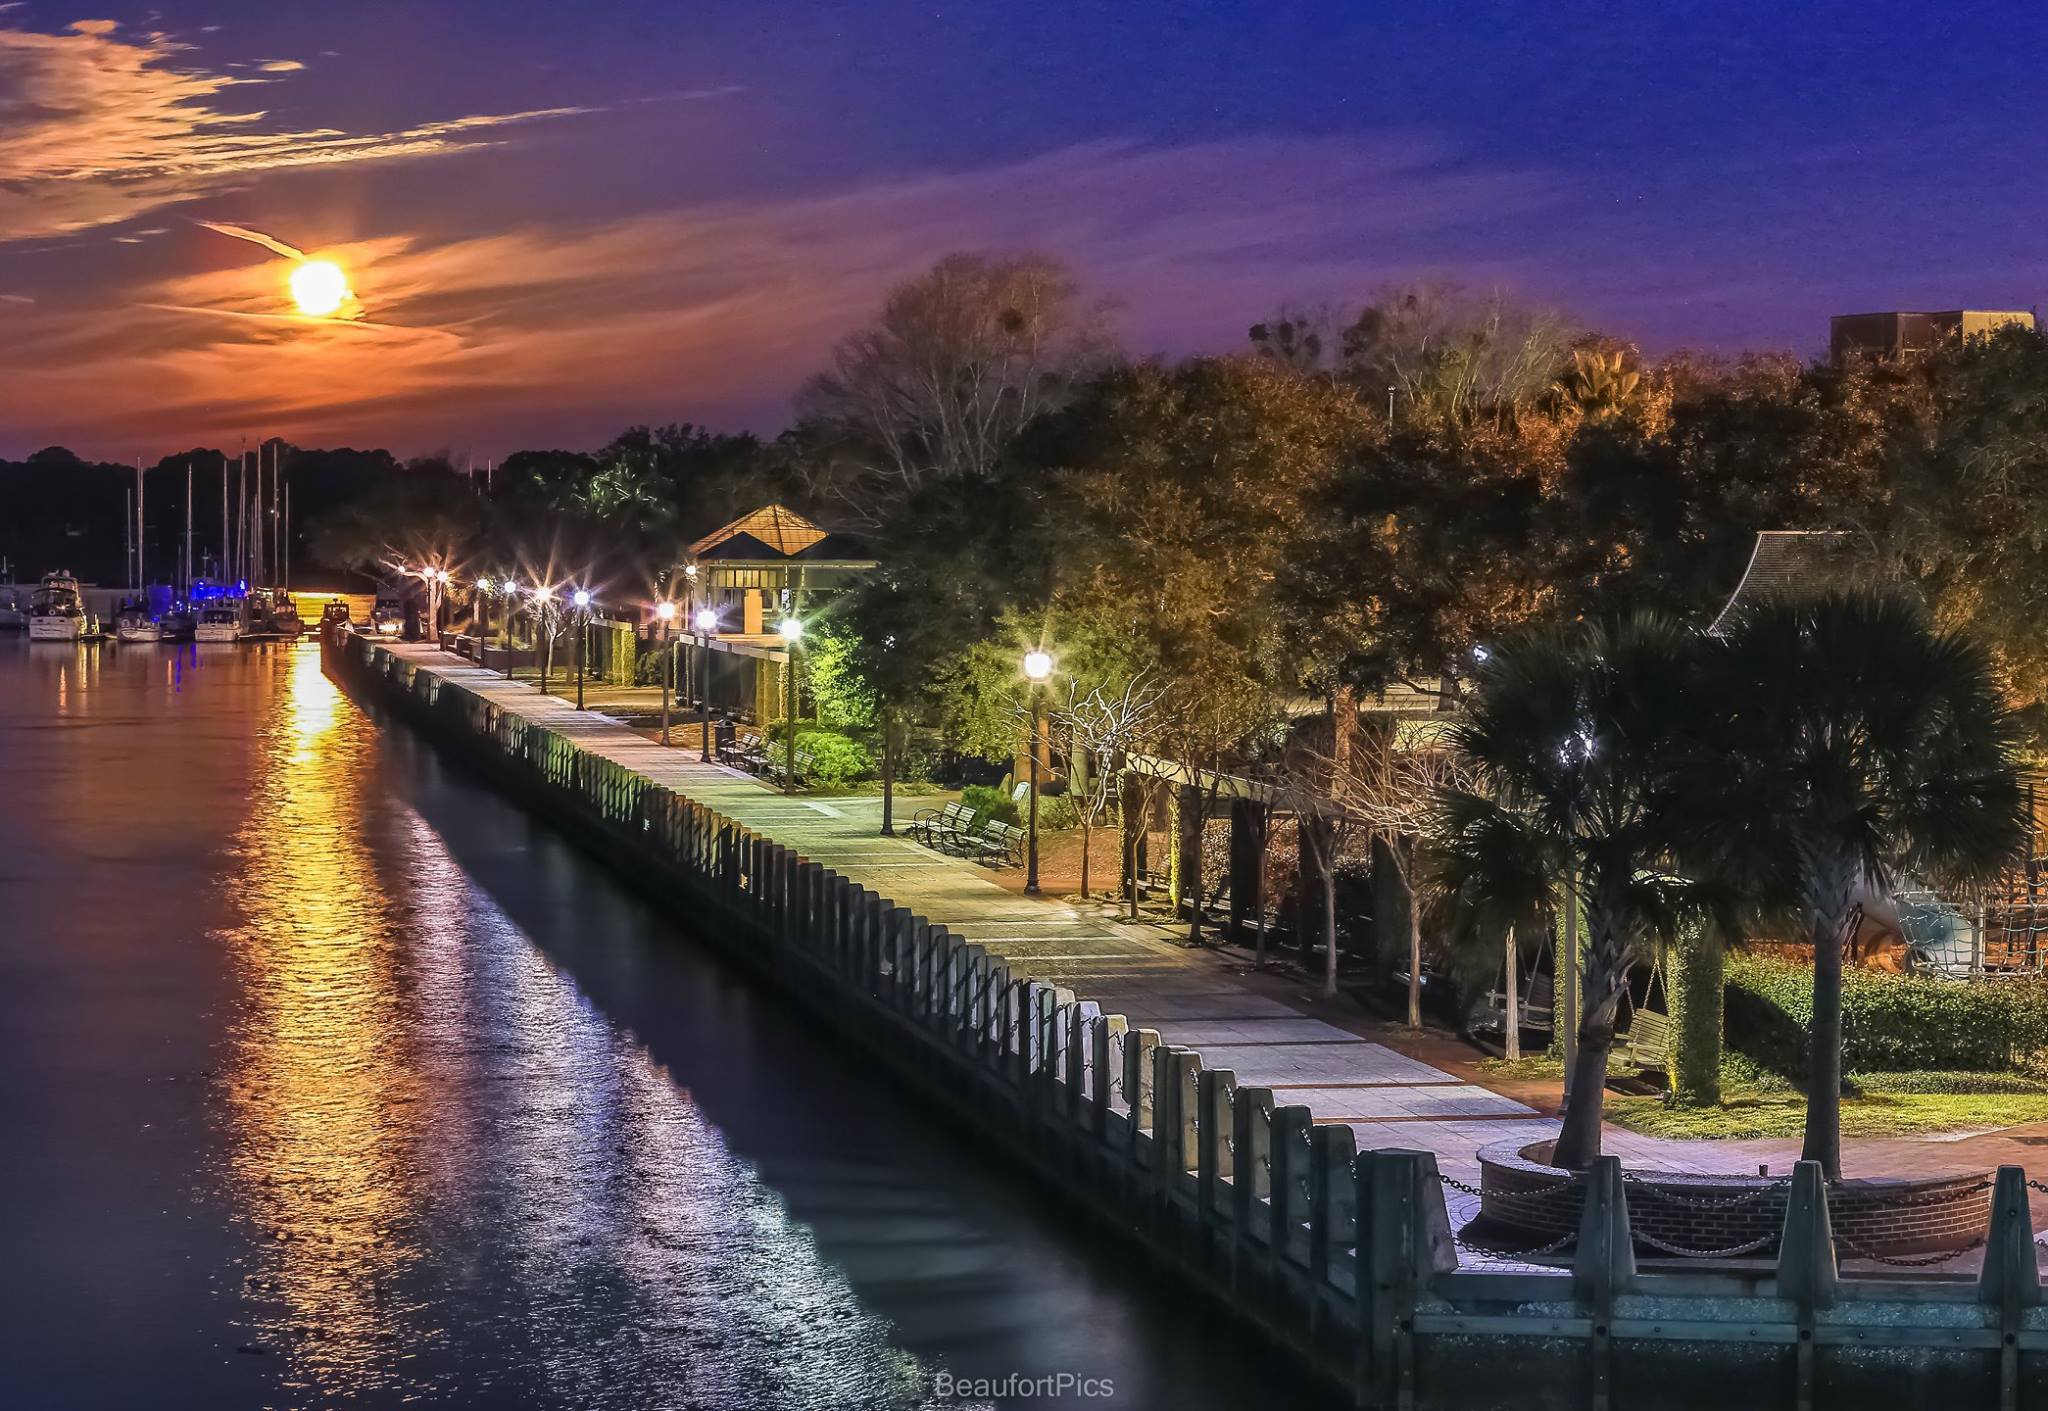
[[328, 1078]]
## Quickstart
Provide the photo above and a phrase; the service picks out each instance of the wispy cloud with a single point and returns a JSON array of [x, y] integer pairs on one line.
[[717, 311], [99, 127]]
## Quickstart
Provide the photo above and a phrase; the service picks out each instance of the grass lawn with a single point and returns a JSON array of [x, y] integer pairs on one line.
[[1874, 1114], [1756, 1103]]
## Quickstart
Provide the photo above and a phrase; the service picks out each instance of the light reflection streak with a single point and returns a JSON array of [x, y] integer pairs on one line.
[[322, 1095], [460, 1163]]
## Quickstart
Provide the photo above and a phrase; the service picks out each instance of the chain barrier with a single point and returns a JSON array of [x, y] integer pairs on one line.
[[1496, 1251], [1905, 1261], [1531, 1194], [1704, 1203], [1728, 1252]]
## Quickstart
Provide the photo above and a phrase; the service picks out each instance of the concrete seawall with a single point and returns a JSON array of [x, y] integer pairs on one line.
[[1343, 1259]]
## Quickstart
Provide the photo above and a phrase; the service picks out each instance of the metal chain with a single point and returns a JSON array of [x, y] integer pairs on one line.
[[1905, 1261], [1503, 1252], [1695, 1203], [1730, 1252], [1555, 1186]]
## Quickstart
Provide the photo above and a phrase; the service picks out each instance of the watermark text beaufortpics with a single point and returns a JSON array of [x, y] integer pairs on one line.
[[1016, 1386]]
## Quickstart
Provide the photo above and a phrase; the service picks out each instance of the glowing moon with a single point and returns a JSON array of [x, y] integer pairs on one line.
[[319, 288]]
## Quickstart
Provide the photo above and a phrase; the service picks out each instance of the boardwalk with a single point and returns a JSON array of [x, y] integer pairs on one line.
[[1189, 996]]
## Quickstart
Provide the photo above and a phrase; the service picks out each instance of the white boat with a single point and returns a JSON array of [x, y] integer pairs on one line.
[[57, 612], [136, 625], [13, 616], [218, 623]]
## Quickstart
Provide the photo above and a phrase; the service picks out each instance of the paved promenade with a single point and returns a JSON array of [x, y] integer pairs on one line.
[[1194, 998], [1189, 996]]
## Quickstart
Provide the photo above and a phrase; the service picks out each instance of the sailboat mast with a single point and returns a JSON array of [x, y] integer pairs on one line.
[[221, 569], [141, 575], [185, 586], [128, 535]]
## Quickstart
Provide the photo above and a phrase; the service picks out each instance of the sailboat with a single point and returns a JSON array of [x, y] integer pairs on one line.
[[134, 624]]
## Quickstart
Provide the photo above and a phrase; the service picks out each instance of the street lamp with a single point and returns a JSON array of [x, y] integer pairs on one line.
[[792, 632], [1037, 668], [543, 605], [582, 601], [480, 615], [511, 603], [665, 613], [707, 623]]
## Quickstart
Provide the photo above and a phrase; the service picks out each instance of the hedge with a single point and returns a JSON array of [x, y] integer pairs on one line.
[[835, 759], [1890, 1023]]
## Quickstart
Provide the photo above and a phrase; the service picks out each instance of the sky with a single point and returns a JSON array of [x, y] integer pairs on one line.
[[559, 219]]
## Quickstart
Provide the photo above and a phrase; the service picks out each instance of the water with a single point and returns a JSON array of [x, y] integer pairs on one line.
[[327, 1077]]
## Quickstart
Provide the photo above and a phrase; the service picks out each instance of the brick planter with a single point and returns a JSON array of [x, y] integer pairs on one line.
[[1525, 1201]]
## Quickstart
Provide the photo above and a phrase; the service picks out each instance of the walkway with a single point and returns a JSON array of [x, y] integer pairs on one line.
[[1190, 996], [1196, 998]]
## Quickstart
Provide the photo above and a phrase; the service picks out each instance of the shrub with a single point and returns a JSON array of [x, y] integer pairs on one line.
[[835, 759], [1890, 1023], [992, 803], [647, 666], [1058, 811]]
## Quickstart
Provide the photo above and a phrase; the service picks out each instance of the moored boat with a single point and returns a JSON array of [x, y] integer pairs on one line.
[[57, 611], [219, 621], [136, 625]]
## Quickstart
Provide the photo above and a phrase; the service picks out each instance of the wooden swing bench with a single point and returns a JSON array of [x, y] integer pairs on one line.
[[1646, 1047]]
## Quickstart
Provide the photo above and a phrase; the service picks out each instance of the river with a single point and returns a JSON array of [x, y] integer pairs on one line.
[[329, 1077]]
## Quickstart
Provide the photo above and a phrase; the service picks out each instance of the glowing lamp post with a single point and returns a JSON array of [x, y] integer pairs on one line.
[[480, 615], [792, 632], [1037, 670], [543, 610], [582, 601], [707, 623], [665, 613], [511, 604]]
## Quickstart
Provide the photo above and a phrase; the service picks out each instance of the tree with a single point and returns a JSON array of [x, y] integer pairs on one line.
[[1498, 880], [1393, 787], [1450, 356], [1858, 747], [1103, 726], [1972, 501], [1574, 740], [958, 362]]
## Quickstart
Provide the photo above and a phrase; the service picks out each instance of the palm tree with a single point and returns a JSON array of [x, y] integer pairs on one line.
[[1575, 738], [1856, 745]]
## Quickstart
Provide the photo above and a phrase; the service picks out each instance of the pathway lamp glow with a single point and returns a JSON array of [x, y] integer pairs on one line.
[[707, 623], [480, 615], [1037, 670], [581, 598], [792, 632], [544, 639], [511, 605], [665, 614]]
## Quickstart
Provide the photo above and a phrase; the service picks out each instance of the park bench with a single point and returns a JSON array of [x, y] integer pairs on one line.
[[745, 750], [1647, 1046], [776, 764], [941, 828], [996, 843]]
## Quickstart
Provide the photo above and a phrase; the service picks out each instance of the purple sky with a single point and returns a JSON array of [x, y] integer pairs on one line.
[[560, 219]]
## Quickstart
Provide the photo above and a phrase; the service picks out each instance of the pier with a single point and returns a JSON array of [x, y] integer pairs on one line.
[[1271, 1161]]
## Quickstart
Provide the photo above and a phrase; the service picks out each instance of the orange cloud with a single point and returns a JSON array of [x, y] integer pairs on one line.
[[566, 331], [97, 128]]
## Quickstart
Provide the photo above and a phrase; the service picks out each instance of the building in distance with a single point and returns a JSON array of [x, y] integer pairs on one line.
[[1900, 335]]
